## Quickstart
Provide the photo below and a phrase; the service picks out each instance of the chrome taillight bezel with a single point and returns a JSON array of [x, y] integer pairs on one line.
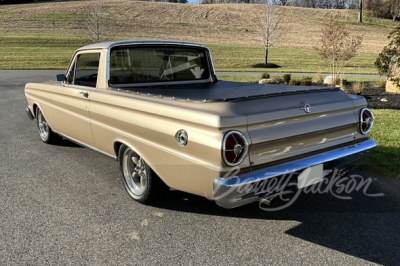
[[369, 121], [243, 153]]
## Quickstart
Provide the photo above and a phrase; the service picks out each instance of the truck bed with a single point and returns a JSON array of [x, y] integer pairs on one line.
[[223, 91]]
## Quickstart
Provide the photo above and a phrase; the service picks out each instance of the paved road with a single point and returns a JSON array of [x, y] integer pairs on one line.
[[65, 205]]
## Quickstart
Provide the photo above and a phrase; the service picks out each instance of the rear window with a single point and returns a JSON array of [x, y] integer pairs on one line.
[[157, 64]]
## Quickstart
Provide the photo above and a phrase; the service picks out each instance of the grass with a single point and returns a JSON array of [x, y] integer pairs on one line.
[[223, 24], [247, 79], [58, 18], [385, 160], [242, 58], [358, 79], [37, 51], [380, 83], [358, 87], [50, 51], [252, 78], [233, 25]]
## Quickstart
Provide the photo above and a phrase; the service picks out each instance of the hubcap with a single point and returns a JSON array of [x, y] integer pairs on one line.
[[135, 172], [43, 126]]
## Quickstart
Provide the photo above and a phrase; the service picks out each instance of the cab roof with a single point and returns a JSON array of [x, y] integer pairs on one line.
[[108, 45]]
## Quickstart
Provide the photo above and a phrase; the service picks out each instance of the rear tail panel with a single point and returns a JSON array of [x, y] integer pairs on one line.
[[298, 124]]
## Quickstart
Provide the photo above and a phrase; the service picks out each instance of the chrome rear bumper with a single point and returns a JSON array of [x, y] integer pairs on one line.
[[239, 190]]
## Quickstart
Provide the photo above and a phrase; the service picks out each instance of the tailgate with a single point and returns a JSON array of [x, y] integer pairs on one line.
[[280, 127]]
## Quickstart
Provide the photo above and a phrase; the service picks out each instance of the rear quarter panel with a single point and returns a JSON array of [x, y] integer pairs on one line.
[[149, 125]]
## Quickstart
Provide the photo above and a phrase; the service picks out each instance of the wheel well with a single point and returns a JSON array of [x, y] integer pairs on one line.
[[34, 110], [117, 145]]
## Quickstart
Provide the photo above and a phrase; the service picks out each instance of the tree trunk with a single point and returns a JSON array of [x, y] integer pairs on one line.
[[361, 10], [266, 56]]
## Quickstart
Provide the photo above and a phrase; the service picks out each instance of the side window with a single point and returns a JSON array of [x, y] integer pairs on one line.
[[85, 69]]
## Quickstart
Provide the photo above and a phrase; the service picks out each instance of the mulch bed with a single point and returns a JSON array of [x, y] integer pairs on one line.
[[377, 98], [380, 99]]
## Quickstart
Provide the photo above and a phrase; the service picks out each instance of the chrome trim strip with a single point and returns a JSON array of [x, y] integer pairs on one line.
[[228, 195], [87, 146]]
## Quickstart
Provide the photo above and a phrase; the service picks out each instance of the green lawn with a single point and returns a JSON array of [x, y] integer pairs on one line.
[[58, 18], [385, 160], [240, 78], [242, 58], [39, 51], [255, 79]]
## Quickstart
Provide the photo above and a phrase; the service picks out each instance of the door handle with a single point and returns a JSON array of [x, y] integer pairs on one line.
[[84, 94]]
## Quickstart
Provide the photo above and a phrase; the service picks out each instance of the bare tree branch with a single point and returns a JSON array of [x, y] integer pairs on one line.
[[271, 27], [337, 46], [95, 23], [394, 9]]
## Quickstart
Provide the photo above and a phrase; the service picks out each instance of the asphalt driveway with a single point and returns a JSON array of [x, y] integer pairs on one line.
[[66, 205]]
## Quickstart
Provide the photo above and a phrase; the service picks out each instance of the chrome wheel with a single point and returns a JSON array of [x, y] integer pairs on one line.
[[135, 172], [44, 129], [140, 181]]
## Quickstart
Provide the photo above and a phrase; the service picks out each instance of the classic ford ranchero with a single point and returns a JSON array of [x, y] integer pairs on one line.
[[158, 108]]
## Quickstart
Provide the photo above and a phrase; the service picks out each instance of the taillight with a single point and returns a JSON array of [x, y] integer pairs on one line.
[[234, 148], [366, 120]]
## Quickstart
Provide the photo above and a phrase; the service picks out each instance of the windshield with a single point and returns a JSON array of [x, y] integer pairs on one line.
[[157, 64]]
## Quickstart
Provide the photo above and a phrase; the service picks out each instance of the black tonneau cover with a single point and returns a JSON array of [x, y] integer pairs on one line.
[[222, 91]]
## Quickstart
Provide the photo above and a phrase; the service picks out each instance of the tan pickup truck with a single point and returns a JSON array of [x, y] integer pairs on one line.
[[158, 108]]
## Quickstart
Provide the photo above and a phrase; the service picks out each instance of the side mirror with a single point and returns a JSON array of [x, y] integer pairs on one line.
[[61, 78]]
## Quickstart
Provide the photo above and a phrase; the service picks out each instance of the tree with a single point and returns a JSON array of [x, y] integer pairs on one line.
[[95, 23], [271, 27], [368, 4], [309, 3], [360, 6], [385, 8], [389, 59], [337, 46], [279, 2], [394, 8], [178, 1]]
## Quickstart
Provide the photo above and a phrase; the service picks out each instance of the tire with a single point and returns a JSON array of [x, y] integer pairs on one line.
[[45, 132], [140, 181]]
